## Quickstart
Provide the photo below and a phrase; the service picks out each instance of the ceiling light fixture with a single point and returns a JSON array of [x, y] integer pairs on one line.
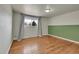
[[47, 10]]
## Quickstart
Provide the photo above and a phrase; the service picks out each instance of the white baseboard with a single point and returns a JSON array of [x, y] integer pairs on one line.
[[29, 37], [64, 38], [10, 46]]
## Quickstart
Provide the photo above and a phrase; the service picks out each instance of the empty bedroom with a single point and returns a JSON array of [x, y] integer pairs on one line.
[[39, 29]]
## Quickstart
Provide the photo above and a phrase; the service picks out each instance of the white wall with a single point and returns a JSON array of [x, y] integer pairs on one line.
[[16, 24], [44, 22], [5, 28], [71, 18], [28, 31]]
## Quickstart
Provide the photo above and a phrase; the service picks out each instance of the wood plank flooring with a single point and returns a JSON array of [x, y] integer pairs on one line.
[[44, 45]]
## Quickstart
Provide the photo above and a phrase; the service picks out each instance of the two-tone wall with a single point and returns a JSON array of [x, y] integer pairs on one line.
[[66, 26]]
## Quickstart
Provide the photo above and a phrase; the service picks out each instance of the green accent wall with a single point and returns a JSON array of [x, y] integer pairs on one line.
[[65, 31]]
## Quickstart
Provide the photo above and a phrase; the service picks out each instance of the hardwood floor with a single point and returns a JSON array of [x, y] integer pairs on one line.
[[44, 45]]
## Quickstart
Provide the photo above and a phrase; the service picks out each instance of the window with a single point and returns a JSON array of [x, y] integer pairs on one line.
[[30, 21], [27, 21]]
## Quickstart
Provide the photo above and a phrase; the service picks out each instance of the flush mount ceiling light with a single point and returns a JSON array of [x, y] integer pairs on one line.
[[47, 10]]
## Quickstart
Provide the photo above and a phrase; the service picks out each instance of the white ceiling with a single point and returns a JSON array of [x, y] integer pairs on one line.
[[38, 9]]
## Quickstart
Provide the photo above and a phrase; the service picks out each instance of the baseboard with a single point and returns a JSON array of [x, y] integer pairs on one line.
[[10, 46], [29, 37], [64, 38]]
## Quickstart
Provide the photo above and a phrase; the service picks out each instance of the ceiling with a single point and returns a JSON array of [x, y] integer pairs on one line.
[[38, 9]]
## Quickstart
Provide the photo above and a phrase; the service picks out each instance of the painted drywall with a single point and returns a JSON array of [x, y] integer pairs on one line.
[[16, 24], [66, 26], [44, 23], [71, 18], [65, 31], [28, 32], [5, 28]]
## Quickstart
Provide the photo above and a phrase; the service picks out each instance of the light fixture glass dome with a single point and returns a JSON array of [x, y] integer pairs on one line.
[[47, 10]]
